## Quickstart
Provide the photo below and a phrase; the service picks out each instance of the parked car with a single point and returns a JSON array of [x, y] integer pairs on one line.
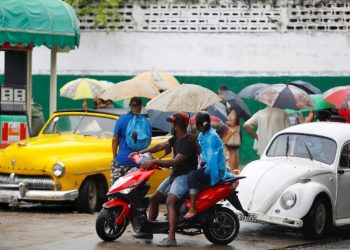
[[301, 180], [69, 161]]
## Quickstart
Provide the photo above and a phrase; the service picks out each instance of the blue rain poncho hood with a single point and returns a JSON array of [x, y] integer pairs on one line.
[[213, 154]]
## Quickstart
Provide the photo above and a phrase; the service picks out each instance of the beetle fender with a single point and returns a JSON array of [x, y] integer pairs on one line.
[[305, 196]]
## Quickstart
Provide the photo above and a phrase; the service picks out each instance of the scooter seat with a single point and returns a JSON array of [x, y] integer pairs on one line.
[[207, 185]]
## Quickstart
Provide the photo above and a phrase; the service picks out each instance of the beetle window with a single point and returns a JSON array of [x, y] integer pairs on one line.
[[344, 157], [303, 146]]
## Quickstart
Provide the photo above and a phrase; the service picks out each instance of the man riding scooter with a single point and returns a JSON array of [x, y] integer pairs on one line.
[[127, 200], [172, 189]]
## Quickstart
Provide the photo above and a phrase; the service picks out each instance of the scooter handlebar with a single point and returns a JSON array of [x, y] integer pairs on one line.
[[140, 158]]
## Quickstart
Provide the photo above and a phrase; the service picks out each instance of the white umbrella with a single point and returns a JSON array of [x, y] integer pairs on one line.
[[186, 97], [127, 89], [161, 80]]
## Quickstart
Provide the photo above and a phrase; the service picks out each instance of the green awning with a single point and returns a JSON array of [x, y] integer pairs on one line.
[[38, 22]]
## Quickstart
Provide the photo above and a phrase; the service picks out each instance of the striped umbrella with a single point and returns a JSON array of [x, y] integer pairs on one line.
[[82, 88], [285, 96]]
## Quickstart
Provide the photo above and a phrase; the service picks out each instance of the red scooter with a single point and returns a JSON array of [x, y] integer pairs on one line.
[[128, 203]]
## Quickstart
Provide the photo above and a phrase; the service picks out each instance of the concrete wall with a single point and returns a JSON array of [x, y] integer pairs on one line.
[[212, 38], [204, 54]]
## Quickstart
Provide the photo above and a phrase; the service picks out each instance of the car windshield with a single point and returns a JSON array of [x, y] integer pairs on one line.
[[81, 124], [312, 147]]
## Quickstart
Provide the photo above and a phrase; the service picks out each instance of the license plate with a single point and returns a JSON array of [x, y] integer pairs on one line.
[[8, 199], [8, 196], [249, 218]]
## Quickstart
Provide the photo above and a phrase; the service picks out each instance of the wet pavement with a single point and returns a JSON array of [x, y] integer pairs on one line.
[[62, 228]]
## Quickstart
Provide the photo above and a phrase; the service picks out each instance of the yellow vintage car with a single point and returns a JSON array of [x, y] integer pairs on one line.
[[69, 161]]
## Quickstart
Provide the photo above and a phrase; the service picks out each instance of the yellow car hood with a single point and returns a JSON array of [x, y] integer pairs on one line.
[[35, 155]]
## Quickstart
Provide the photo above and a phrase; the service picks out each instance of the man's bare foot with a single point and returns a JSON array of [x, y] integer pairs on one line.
[[190, 214]]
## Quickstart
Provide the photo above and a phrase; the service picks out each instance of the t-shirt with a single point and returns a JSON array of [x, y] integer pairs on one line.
[[269, 121], [122, 156], [185, 146]]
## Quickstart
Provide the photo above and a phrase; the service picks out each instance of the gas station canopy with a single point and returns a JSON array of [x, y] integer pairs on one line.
[[38, 22]]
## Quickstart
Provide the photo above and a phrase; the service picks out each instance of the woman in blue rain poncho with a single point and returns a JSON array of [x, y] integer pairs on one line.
[[213, 154]]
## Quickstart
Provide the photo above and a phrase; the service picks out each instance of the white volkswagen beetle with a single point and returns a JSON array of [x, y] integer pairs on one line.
[[302, 180]]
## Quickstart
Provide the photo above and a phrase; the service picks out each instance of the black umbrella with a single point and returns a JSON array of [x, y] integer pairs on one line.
[[251, 91], [306, 86], [237, 104], [218, 110], [158, 118]]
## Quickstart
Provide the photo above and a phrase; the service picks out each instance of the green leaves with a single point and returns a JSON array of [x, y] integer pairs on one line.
[[105, 12]]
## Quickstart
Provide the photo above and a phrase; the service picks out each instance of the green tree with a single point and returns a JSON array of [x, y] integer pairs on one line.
[[104, 11]]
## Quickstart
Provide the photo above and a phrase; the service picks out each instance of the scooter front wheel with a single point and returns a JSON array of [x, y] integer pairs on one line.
[[106, 226], [222, 227]]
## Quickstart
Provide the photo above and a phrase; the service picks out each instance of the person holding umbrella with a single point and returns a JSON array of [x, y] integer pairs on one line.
[[234, 143], [273, 118], [268, 121]]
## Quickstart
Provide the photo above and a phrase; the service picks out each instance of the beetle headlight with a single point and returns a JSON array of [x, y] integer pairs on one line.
[[288, 200], [58, 169]]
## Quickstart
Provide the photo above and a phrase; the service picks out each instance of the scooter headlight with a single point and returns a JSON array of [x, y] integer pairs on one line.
[[126, 191], [130, 188], [288, 200], [58, 169]]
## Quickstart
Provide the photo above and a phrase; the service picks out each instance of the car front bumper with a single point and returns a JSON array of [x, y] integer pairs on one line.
[[16, 195], [263, 218]]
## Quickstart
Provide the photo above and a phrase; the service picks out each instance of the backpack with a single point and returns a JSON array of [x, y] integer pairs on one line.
[[138, 133]]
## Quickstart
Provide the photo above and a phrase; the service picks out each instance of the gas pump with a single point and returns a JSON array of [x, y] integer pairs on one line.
[[13, 118], [13, 110]]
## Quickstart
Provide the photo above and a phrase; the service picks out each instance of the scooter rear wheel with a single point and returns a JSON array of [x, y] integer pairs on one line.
[[222, 227], [106, 227]]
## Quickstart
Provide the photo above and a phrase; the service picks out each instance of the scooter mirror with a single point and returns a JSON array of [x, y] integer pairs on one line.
[[167, 150]]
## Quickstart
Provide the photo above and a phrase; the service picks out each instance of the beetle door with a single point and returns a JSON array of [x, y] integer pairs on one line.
[[343, 200]]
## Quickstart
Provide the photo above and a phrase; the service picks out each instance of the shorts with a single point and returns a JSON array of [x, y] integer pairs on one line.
[[118, 171], [178, 187], [232, 147]]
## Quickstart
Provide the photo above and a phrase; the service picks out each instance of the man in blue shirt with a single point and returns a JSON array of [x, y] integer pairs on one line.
[[121, 163]]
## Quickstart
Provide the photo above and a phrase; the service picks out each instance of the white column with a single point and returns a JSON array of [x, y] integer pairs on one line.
[[29, 90], [53, 80]]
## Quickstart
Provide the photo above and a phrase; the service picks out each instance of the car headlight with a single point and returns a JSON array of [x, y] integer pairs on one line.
[[288, 200], [58, 169]]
